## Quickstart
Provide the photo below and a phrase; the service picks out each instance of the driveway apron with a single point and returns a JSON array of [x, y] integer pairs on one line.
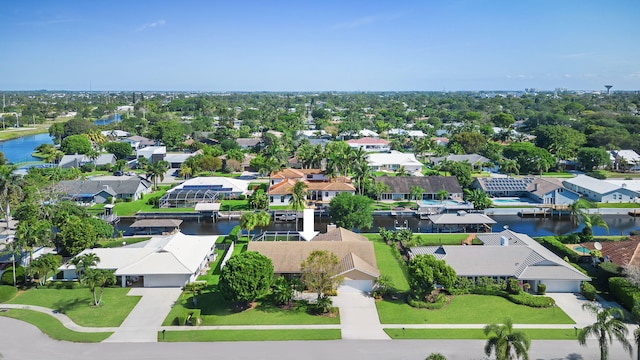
[[359, 316], [145, 320]]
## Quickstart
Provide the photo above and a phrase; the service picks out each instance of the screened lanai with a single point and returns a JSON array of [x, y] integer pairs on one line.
[[187, 198]]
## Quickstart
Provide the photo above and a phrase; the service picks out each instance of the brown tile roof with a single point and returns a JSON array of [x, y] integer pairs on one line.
[[541, 186], [285, 187], [290, 173], [368, 140], [619, 252], [287, 256]]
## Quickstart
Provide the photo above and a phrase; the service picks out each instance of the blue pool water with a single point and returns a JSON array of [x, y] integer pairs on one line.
[[506, 201], [581, 249], [438, 202]]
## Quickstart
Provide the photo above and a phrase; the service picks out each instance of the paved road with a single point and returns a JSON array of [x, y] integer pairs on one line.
[[20, 341]]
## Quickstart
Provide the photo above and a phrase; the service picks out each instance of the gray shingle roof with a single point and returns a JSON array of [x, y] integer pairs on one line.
[[124, 186], [430, 184]]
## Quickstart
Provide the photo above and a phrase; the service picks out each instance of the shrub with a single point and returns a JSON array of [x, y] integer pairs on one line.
[[542, 289], [194, 317], [7, 275], [579, 268], [588, 290], [438, 301], [598, 174], [182, 318], [559, 249], [63, 284], [153, 201], [625, 293], [301, 306], [513, 286], [526, 299], [7, 292]]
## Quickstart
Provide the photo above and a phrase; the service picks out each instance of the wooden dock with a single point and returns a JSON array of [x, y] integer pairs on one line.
[[634, 212]]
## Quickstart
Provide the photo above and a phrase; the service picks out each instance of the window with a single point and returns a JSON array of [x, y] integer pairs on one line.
[[270, 198], [326, 194], [282, 198]]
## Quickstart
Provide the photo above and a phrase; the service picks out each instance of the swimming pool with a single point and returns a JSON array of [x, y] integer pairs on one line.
[[438, 202], [582, 250], [507, 201]]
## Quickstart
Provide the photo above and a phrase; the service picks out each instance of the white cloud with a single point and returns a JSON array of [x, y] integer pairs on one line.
[[152, 25]]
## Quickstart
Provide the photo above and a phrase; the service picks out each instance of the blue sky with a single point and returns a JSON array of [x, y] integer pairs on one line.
[[319, 46]]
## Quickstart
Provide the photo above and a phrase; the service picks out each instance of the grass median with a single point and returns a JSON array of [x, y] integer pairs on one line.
[[476, 334], [54, 328], [249, 335]]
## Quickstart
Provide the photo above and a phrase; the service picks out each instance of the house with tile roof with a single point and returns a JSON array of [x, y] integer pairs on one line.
[[502, 186], [370, 144], [599, 190], [356, 257], [550, 191], [320, 188], [163, 261], [476, 161], [99, 189], [507, 255]]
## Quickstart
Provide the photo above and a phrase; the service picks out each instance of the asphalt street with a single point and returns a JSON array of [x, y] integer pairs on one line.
[[20, 341]]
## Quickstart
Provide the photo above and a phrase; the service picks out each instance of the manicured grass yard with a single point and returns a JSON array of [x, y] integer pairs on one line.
[[388, 263], [250, 335], [470, 309], [78, 304], [216, 311], [534, 334], [54, 328]]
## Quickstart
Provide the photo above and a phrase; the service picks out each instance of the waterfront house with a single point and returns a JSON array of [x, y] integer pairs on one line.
[[163, 261], [76, 161], [551, 191], [508, 255], [320, 188], [400, 187], [356, 257], [100, 189], [599, 190], [500, 187], [476, 161], [204, 189]]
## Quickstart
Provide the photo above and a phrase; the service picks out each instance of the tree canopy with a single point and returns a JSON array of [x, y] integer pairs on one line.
[[246, 277], [351, 211]]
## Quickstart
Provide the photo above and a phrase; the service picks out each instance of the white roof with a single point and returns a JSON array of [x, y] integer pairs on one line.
[[633, 185], [150, 150], [393, 157], [236, 185], [116, 133], [367, 132], [177, 157], [173, 254], [629, 155], [592, 184], [456, 219]]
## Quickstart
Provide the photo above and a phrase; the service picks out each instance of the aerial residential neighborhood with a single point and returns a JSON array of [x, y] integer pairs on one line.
[[406, 180]]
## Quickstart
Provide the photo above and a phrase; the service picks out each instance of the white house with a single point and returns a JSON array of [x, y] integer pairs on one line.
[[162, 261], [551, 191], [625, 160], [508, 255], [320, 188], [393, 160], [152, 153], [599, 190], [370, 144], [204, 189]]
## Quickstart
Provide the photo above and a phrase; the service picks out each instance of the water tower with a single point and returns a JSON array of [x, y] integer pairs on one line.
[[608, 89]]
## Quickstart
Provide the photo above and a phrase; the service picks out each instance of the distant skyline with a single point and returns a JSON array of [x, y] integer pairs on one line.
[[428, 45]]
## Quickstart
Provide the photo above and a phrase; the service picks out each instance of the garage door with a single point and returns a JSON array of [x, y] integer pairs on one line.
[[356, 286], [570, 286], [165, 280]]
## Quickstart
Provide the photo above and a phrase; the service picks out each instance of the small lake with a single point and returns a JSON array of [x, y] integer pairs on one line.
[[19, 150]]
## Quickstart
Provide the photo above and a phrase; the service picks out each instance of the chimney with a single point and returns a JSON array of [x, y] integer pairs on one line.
[[331, 227]]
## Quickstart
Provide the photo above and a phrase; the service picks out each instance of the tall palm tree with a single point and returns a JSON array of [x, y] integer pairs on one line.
[[591, 220], [401, 171], [578, 210], [84, 262], [608, 325], [248, 221], [509, 166], [185, 171], [298, 198], [505, 342], [362, 176], [442, 195], [156, 171], [416, 192]]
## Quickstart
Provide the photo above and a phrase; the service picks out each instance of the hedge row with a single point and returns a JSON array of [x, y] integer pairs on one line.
[[625, 293], [588, 291], [522, 298], [559, 249]]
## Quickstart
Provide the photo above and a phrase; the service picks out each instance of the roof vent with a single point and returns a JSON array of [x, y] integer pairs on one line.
[[504, 241]]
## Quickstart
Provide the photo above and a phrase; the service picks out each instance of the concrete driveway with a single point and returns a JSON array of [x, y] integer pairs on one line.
[[358, 316], [145, 320]]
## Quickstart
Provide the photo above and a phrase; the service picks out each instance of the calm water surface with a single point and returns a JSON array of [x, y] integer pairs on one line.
[[618, 225]]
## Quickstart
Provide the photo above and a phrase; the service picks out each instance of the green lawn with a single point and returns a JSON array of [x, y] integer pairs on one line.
[[477, 334], [389, 263], [249, 335], [216, 311], [54, 328], [118, 242], [618, 205], [440, 239], [234, 205], [78, 304], [470, 309], [130, 208]]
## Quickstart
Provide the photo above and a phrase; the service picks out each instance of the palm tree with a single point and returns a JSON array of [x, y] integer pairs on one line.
[[505, 342], [577, 210], [442, 195], [156, 171], [608, 325], [478, 198], [591, 220], [509, 166], [248, 221], [84, 262], [10, 190], [185, 171], [401, 171], [94, 278], [362, 176], [298, 198], [416, 192], [263, 219]]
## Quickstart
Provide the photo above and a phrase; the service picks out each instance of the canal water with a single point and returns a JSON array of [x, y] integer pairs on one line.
[[19, 150], [618, 225]]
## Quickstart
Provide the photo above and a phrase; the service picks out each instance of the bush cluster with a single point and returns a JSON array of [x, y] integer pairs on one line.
[[542, 289], [189, 317], [438, 302], [625, 293], [7, 276], [509, 290], [559, 249], [588, 290]]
